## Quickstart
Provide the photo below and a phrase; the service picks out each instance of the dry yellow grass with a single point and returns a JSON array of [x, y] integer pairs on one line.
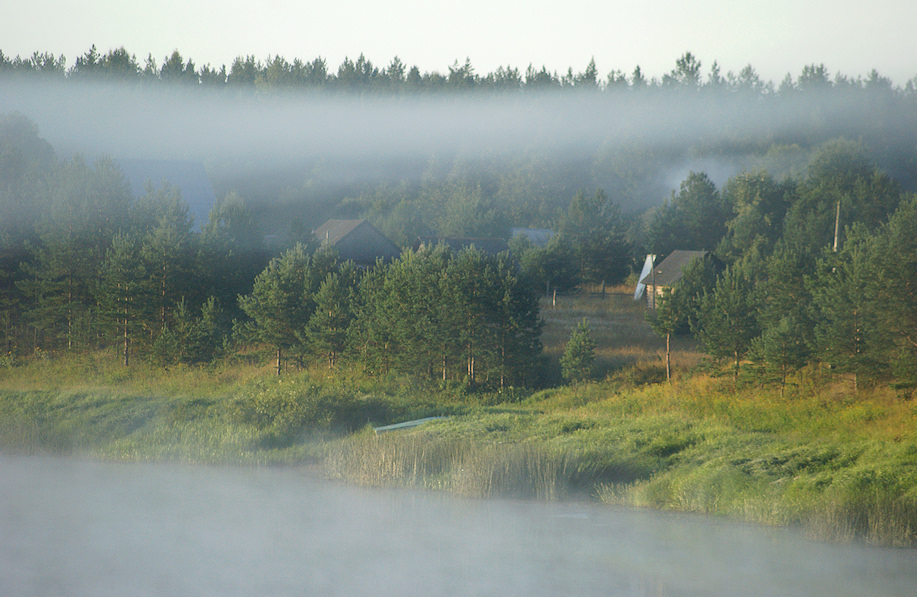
[[618, 326]]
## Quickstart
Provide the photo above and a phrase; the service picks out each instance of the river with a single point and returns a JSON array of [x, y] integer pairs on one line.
[[80, 527]]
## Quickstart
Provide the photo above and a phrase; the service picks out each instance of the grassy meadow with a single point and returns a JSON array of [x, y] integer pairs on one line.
[[814, 455]]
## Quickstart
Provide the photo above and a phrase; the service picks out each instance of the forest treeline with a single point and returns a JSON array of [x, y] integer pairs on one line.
[[362, 76], [85, 265]]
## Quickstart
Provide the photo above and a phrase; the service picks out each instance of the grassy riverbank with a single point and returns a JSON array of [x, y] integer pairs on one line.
[[815, 455], [844, 468]]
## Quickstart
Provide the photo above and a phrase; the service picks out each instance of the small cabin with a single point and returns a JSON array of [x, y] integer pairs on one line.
[[357, 241], [656, 278]]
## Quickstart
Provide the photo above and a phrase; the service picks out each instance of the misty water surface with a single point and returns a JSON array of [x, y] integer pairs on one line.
[[72, 527]]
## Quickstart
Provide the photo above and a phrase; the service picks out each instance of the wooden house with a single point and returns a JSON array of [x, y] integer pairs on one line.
[[668, 273], [357, 241]]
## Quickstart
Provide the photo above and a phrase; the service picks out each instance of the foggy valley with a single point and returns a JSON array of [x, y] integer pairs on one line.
[[693, 293]]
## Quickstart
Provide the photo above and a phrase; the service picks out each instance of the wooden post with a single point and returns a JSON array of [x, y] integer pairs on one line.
[[668, 361]]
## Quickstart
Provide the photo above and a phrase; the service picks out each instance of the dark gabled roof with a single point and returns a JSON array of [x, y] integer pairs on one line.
[[672, 268], [491, 246], [189, 177], [333, 231], [357, 241]]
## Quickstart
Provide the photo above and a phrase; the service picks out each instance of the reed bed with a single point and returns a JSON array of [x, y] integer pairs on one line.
[[461, 466]]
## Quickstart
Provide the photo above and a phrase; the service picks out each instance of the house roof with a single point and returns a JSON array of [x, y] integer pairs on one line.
[[333, 231], [357, 241], [672, 268], [189, 177]]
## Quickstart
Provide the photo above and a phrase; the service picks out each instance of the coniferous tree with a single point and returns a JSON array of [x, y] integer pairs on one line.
[[693, 219], [85, 208], [328, 326], [594, 227], [518, 322], [782, 347], [844, 330], [168, 251], [578, 361], [893, 287], [232, 249], [666, 319], [727, 321], [124, 294], [280, 303]]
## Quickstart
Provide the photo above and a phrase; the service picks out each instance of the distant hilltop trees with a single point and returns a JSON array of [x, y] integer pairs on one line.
[[362, 76]]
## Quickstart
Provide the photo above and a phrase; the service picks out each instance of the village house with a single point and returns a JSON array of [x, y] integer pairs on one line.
[[357, 241], [654, 279]]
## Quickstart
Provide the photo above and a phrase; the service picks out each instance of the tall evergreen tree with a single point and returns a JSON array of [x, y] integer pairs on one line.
[[594, 227], [169, 252], [124, 294], [894, 289], [327, 330], [728, 315], [578, 360], [85, 208], [844, 329], [693, 219], [283, 298]]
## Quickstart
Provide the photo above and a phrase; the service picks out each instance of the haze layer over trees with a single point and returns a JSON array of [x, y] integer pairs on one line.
[[617, 167]]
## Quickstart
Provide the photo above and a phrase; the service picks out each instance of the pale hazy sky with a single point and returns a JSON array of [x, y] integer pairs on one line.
[[776, 37]]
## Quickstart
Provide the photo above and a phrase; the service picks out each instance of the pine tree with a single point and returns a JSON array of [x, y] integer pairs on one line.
[[845, 331], [728, 315], [327, 329], [667, 319], [169, 252], [85, 208], [280, 303], [782, 347], [578, 360], [123, 294], [894, 288]]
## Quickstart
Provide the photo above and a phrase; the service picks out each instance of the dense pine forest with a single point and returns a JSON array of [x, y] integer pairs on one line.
[[803, 191]]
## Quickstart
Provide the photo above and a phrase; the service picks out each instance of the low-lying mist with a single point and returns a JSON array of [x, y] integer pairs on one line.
[[595, 136]]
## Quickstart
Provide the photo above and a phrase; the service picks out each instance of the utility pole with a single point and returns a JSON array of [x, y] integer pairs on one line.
[[837, 224]]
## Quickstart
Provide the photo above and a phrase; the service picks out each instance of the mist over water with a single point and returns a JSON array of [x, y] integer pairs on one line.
[[72, 527]]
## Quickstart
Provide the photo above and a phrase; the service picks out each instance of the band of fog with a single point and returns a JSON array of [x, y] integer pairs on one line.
[[283, 129]]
